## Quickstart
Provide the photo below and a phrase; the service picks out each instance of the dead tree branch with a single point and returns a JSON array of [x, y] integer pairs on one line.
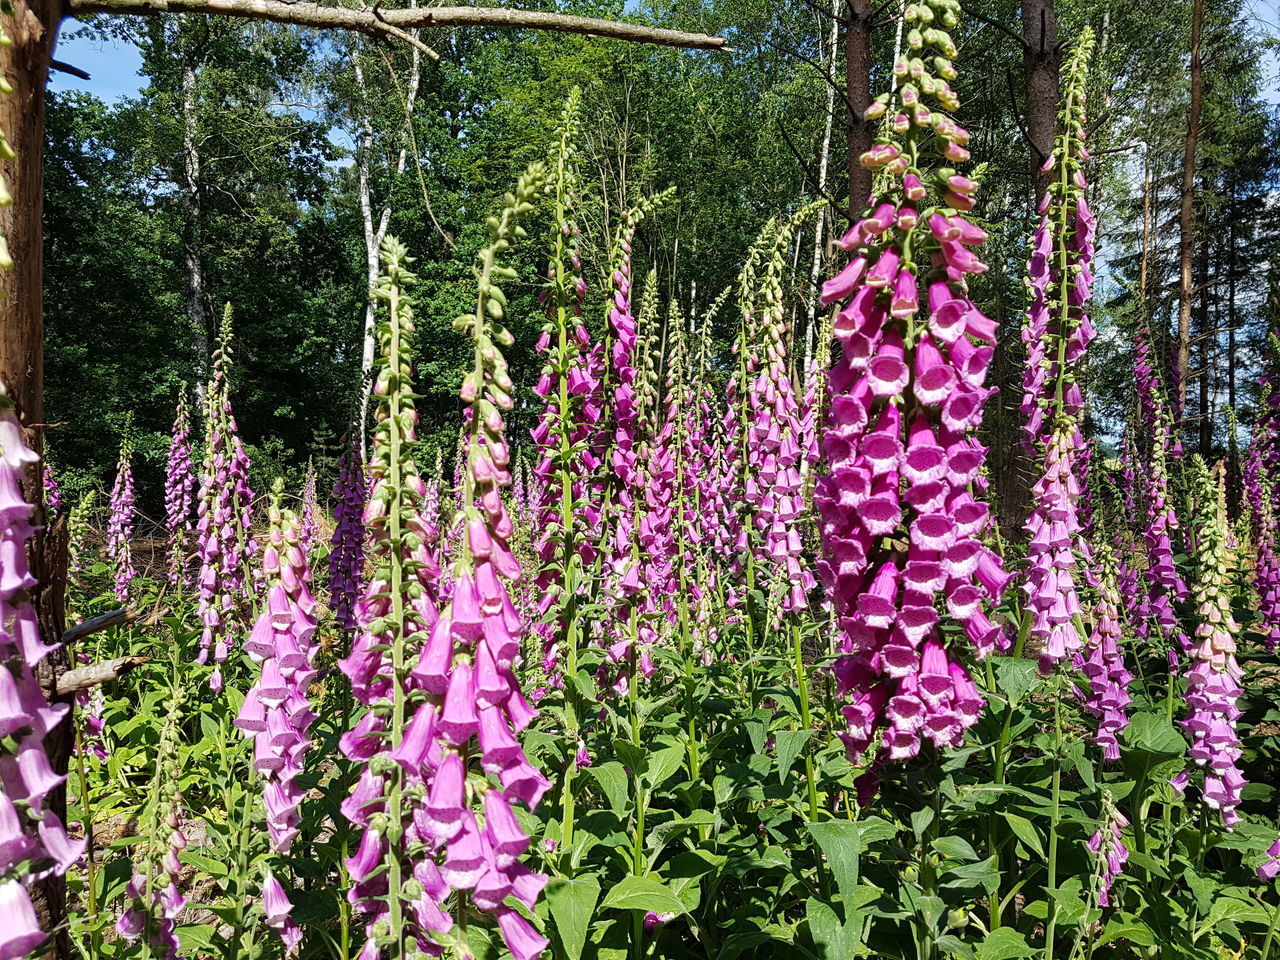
[[96, 674]]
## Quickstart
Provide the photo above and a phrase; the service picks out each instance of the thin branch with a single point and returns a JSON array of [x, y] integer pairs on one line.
[[111, 618], [983, 18], [68, 68], [96, 674], [394, 22]]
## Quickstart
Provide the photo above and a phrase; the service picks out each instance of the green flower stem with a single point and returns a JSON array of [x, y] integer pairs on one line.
[[1051, 881], [395, 443], [806, 720], [86, 809], [998, 767], [1271, 932]]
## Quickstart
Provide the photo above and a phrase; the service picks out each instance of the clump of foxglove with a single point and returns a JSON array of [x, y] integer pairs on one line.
[[33, 841], [1057, 334], [1102, 661], [120, 524], [1213, 682], [346, 558], [224, 537], [444, 698], [902, 548], [179, 489]]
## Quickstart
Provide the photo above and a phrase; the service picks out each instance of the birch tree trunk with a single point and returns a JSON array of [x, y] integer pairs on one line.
[[375, 234], [192, 241], [824, 160]]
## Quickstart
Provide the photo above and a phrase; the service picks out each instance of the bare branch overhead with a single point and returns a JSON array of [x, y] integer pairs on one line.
[[393, 23]]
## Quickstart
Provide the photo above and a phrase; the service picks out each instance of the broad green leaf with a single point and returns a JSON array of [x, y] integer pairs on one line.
[[632, 757], [738, 943], [1154, 733], [789, 743], [1004, 944], [642, 893], [663, 764], [932, 909], [756, 732], [1131, 929], [1025, 831], [955, 848], [830, 935], [1015, 677], [572, 903], [841, 844], [613, 781]]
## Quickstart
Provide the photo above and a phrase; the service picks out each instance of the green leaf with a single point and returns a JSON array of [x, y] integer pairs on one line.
[[1127, 928], [572, 903], [789, 743], [920, 820], [631, 756], [841, 843], [955, 848], [932, 909], [737, 944], [1154, 733], [756, 732], [663, 764], [1004, 944], [642, 893], [1015, 677], [613, 781], [1026, 832], [830, 935]]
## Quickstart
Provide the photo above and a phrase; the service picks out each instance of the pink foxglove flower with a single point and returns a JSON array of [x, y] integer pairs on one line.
[[901, 518], [120, 524], [310, 522], [1102, 662], [1213, 682], [1270, 867], [1260, 491], [30, 833], [1057, 334], [276, 713]]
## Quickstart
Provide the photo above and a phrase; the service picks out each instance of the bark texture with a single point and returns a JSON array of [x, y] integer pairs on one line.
[[857, 56], [1042, 69], [1186, 216]]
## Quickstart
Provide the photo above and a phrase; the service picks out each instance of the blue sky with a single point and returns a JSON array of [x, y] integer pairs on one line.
[[111, 65]]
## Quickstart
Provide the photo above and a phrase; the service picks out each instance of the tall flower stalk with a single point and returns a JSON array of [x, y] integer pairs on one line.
[[120, 523], [1213, 682], [906, 397], [153, 894], [224, 528], [179, 489], [276, 712], [346, 558], [1057, 334], [33, 840]]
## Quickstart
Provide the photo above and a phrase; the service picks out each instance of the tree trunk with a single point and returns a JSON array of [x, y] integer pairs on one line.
[[1205, 325], [824, 158], [857, 55], [1041, 68], [32, 28], [374, 235], [193, 238], [1186, 218]]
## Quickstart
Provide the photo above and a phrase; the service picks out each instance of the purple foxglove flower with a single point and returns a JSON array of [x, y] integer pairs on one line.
[[346, 558], [52, 498], [224, 539], [120, 524], [1270, 867], [901, 461], [20, 934], [1107, 846]]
